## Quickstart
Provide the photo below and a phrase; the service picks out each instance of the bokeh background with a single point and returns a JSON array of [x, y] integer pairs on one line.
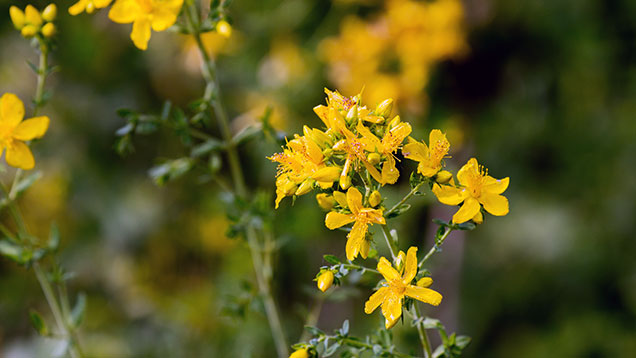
[[541, 91]]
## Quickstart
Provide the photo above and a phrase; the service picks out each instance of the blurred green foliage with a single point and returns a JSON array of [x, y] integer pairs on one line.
[[546, 95]]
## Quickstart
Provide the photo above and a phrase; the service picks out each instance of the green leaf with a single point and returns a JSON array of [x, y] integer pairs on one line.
[[170, 170], [399, 211], [430, 323], [466, 226], [462, 341], [246, 134], [331, 350], [345, 328], [13, 251], [332, 259], [26, 182], [210, 145], [315, 331], [215, 163], [77, 313], [54, 238], [38, 323]]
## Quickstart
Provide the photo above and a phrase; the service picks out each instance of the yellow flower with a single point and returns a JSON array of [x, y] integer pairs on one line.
[[145, 14], [88, 5], [397, 286], [389, 144], [14, 131], [224, 28], [17, 17], [430, 157], [325, 280], [301, 165], [361, 217], [301, 353], [477, 187], [49, 13]]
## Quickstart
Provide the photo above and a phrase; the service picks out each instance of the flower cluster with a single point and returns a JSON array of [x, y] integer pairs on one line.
[[32, 23], [386, 54], [350, 160]]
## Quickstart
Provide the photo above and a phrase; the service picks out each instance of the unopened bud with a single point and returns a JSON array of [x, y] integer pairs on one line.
[[48, 30], [224, 28], [305, 187], [29, 31], [345, 182], [32, 16], [17, 17], [400, 260], [373, 158], [49, 13], [443, 177], [384, 109], [375, 198], [289, 188], [90, 8], [301, 353], [424, 282], [325, 280], [325, 201], [352, 115], [394, 122]]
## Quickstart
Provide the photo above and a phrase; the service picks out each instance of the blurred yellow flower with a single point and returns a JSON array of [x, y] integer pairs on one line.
[[361, 217], [476, 187], [429, 157], [145, 14], [301, 353], [88, 5], [397, 286], [14, 131]]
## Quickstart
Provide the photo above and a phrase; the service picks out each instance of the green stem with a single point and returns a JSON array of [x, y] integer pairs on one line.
[[435, 247], [358, 267], [426, 344], [389, 241], [404, 199], [43, 70], [212, 95]]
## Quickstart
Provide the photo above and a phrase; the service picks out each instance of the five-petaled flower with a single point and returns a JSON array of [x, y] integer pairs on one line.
[[476, 187], [389, 144], [14, 131], [397, 286], [429, 157], [361, 217], [145, 14]]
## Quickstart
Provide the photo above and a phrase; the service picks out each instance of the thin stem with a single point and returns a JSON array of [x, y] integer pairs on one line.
[[212, 96], [362, 268], [426, 344], [435, 247], [404, 199], [389, 241], [43, 70]]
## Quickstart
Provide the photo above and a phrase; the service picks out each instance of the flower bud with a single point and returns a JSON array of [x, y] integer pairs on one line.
[[48, 30], [345, 182], [375, 198], [32, 16], [289, 188], [384, 109], [29, 31], [424, 282], [341, 198], [325, 201], [400, 260], [325, 280], [17, 17], [394, 122], [301, 353], [90, 8], [224, 28], [352, 115], [49, 13], [305, 187], [443, 177], [373, 158]]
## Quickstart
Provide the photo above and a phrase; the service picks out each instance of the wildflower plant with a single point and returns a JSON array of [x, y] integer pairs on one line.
[[17, 136], [348, 163]]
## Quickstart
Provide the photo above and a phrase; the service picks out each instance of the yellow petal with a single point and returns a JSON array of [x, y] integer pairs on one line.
[[101, 3], [495, 204], [11, 110], [395, 137], [410, 267], [424, 282], [495, 186], [479, 218], [436, 136], [371, 142], [322, 112], [425, 295], [448, 195], [470, 168], [124, 11], [19, 155], [467, 211], [32, 16], [355, 240], [341, 198], [390, 174], [327, 174], [334, 220], [415, 151], [354, 200], [385, 268], [31, 128], [373, 171], [162, 19], [375, 300], [392, 309], [141, 33]]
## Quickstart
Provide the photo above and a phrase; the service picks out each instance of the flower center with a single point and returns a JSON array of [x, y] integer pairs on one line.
[[438, 150], [475, 179]]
